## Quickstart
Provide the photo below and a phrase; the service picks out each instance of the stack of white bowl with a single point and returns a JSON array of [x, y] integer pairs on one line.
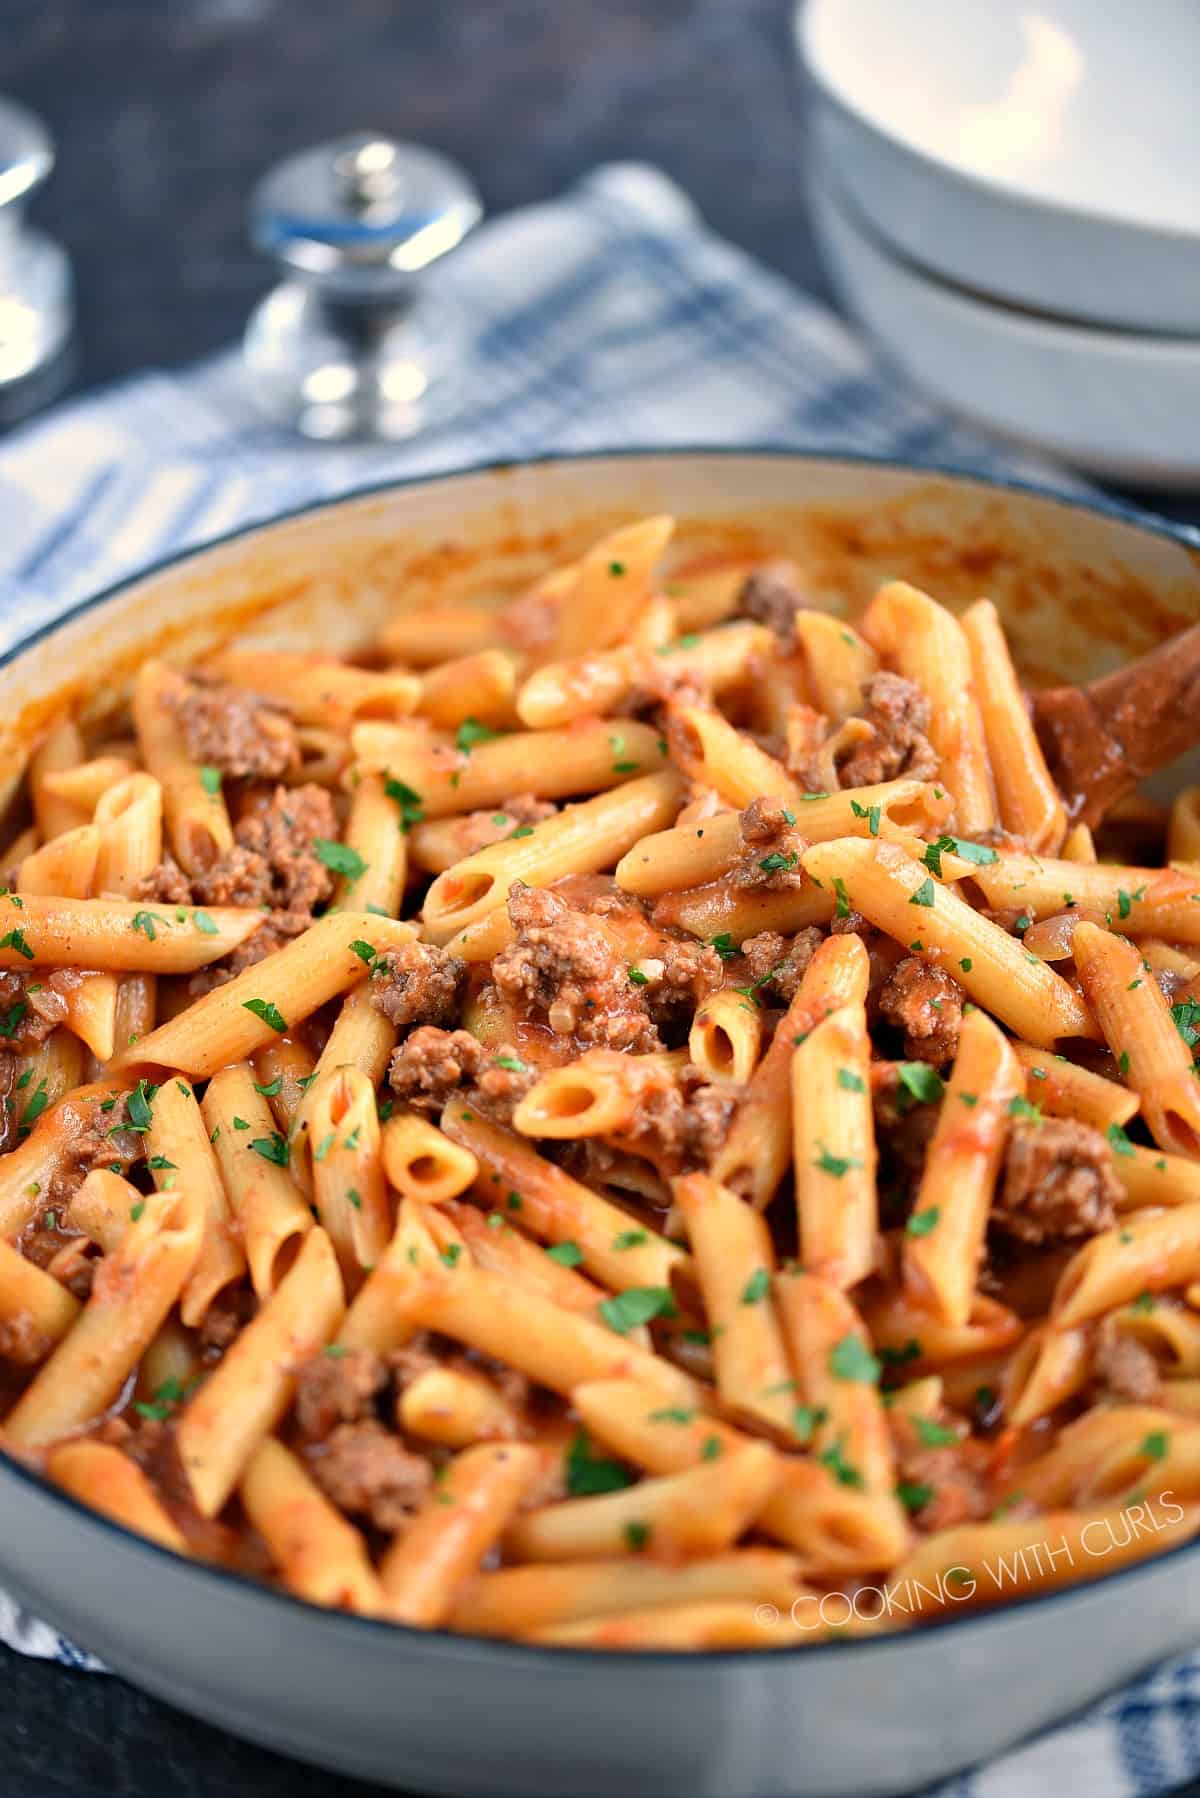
[[1008, 199]]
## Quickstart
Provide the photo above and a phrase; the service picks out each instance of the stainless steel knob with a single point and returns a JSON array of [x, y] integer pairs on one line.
[[36, 308], [350, 344]]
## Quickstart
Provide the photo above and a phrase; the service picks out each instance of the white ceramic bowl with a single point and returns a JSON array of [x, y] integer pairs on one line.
[[1080, 587], [1046, 155], [1118, 404]]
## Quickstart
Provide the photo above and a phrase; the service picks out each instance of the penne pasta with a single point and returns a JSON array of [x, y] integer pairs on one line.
[[237, 1020]]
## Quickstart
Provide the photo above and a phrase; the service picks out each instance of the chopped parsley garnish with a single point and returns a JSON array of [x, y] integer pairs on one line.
[[851, 1359], [157, 1163], [339, 858], [365, 952], [204, 923], [1154, 1446], [757, 1287], [841, 1469], [966, 964], [1118, 1141], [210, 779], [922, 1222], [725, 946], [843, 897], [145, 922], [1127, 901], [923, 894], [805, 1419], [470, 732], [837, 1165], [924, 1083], [637, 1305], [450, 1254], [172, 1392], [1187, 1020], [912, 1496], [36, 1105], [272, 1148], [630, 1239], [1020, 1107], [900, 1357], [637, 1534], [932, 1433], [139, 1103], [323, 1147], [1144, 1302], [616, 569], [637, 977], [411, 804], [710, 1448], [588, 1475], [522, 830], [135, 1211], [872, 813], [777, 863], [10, 1022], [1122, 1064], [15, 939], [672, 1414], [567, 1254], [850, 1082], [968, 852], [270, 1014], [808, 798], [272, 1089]]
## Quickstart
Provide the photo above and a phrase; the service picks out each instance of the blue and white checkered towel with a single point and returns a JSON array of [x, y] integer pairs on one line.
[[607, 319]]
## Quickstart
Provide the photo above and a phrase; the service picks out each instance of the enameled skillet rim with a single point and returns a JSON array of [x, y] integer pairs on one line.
[[452, 1645]]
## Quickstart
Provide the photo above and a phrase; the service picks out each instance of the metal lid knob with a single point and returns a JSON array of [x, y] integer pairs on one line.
[[36, 310], [342, 349]]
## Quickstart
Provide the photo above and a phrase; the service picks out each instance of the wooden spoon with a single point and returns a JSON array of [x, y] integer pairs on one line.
[[1102, 739]]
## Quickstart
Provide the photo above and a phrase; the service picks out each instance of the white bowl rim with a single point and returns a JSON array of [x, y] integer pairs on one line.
[[453, 1645], [991, 187], [1049, 329]]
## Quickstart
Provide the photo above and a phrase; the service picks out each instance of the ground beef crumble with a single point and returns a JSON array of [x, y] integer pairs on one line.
[[273, 866], [777, 964], [105, 1139], [33, 1006], [950, 1478], [904, 1127], [1058, 1182], [772, 847], [361, 1466], [224, 1320], [431, 1063], [1125, 1366], [479, 829], [237, 731], [281, 828], [562, 964], [365, 1469], [337, 1389], [898, 715], [418, 984], [772, 594], [503, 1083], [926, 1003]]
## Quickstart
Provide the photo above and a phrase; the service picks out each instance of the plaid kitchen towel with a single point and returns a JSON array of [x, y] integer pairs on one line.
[[610, 318]]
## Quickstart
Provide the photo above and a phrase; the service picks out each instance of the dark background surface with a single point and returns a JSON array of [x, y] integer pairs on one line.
[[164, 113]]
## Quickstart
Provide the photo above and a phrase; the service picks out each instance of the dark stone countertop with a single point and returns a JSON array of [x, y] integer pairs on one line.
[[164, 112]]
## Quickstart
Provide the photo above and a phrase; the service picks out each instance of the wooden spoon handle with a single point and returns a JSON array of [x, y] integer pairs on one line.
[[1102, 739]]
